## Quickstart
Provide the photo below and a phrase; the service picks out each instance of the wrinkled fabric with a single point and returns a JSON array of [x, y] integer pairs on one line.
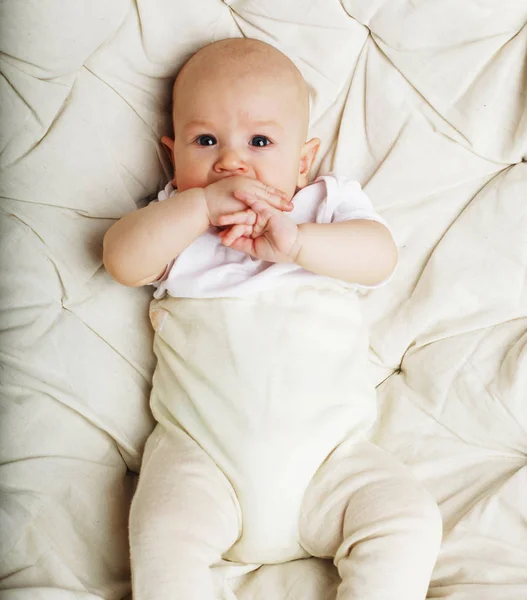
[[424, 104], [362, 508], [268, 385]]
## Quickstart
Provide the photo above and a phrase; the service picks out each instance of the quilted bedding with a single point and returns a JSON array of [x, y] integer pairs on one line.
[[425, 104]]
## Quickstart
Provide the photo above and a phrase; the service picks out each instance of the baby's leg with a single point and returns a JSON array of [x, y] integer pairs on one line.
[[364, 509], [183, 518]]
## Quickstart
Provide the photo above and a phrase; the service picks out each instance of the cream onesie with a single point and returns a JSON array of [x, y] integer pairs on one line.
[[263, 399]]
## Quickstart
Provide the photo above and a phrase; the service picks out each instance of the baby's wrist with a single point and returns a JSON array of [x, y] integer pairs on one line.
[[203, 206], [198, 201], [297, 246]]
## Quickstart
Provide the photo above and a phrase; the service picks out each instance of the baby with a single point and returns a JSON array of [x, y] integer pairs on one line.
[[261, 390]]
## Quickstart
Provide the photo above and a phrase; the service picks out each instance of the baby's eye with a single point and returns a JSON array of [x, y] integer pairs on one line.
[[206, 140], [260, 141]]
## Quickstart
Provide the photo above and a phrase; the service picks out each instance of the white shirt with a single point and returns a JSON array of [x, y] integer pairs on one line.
[[208, 269]]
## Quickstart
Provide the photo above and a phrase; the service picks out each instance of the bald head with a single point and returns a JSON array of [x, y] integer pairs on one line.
[[241, 107], [243, 60]]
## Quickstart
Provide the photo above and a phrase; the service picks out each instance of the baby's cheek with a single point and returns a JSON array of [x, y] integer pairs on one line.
[[191, 176], [288, 185]]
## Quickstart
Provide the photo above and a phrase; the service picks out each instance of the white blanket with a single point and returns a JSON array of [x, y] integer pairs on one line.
[[425, 105]]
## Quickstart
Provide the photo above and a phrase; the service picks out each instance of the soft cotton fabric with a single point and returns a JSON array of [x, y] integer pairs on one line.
[[362, 508], [268, 385], [423, 103], [208, 269]]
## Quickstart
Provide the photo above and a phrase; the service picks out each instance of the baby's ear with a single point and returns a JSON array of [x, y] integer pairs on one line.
[[168, 145], [307, 158]]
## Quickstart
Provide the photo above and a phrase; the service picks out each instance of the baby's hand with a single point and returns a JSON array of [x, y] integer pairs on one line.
[[228, 196], [273, 237]]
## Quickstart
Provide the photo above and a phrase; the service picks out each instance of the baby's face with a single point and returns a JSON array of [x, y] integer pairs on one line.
[[252, 125]]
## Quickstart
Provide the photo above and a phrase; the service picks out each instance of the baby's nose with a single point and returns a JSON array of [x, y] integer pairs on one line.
[[231, 160]]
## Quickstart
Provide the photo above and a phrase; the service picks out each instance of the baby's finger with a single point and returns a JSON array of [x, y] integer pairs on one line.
[[262, 220], [231, 235], [275, 197], [252, 200], [272, 196], [244, 244], [247, 217]]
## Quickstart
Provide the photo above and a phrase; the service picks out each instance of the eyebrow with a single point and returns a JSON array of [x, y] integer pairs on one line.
[[209, 125], [199, 123], [267, 124]]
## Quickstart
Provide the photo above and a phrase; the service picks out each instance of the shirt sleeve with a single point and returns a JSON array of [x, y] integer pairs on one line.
[[346, 201], [353, 203], [160, 283]]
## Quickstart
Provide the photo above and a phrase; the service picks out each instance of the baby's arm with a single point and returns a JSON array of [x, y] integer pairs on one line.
[[359, 251], [137, 249]]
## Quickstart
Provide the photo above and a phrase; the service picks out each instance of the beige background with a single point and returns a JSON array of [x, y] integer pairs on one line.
[[424, 103]]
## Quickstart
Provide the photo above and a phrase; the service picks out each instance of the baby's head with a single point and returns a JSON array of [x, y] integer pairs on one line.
[[241, 107]]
